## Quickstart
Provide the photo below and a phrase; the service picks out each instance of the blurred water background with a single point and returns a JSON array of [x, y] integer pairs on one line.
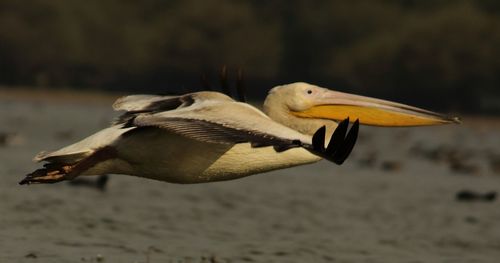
[[400, 197]]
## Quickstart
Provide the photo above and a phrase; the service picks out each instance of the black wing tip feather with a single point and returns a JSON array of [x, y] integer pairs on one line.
[[240, 86], [341, 142], [224, 84], [318, 139], [348, 143], [337, 137]]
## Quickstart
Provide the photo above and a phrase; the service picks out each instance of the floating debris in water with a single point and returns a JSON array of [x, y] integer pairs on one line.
[[368, 160], [100, 183], [11, 139], [64, 135], [494, 160], [470, 196], [471, 219], [391, 166], [458, 160], [463, 167]]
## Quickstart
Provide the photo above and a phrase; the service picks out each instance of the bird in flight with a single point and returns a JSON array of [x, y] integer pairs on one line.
[[207, 136]]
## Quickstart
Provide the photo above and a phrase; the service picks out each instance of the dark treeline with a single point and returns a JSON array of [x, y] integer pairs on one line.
[[438, 53]]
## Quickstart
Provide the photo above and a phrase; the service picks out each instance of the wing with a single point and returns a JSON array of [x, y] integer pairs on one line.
[[207, 116], [215, 118], [134, 105]]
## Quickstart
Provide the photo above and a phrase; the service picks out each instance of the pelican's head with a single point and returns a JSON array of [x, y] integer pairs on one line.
[[306, 101]]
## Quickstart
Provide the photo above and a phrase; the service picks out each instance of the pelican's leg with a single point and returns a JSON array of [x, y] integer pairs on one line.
[[48, 174], [56, 172]]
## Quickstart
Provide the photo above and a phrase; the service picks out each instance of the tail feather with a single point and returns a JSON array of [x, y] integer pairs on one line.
[[78, 151], [61, 157]]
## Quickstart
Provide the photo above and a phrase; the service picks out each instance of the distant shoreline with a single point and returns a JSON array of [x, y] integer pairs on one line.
[[62, 95], [67, 95]]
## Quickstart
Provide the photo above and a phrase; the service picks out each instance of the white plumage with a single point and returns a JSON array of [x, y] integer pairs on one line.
[[207, 136]]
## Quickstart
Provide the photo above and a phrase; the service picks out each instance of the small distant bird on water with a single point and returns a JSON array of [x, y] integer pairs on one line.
[[207, 136]]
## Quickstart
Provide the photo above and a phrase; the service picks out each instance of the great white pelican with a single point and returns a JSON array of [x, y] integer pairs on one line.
[[207, 136]]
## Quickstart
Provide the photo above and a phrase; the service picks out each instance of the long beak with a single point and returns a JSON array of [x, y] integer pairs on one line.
[[336, 105]]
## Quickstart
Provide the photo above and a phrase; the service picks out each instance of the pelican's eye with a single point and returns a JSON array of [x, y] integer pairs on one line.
[[309, 91]]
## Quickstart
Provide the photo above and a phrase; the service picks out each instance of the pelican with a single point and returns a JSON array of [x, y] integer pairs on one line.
[[207, 136]]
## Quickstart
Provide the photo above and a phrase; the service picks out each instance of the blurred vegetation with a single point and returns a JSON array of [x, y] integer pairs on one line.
[[439, 53]]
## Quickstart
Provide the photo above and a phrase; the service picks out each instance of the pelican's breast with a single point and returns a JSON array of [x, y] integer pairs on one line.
[[243, 160], [165, 156]]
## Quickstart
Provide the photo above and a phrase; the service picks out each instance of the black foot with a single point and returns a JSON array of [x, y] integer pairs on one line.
[[100, 183]]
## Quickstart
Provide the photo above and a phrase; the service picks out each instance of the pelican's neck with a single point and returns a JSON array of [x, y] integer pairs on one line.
[[280, 113]]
